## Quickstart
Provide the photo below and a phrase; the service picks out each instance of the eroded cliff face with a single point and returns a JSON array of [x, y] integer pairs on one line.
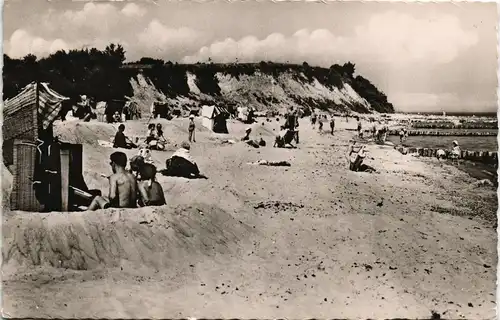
[[251, 85]]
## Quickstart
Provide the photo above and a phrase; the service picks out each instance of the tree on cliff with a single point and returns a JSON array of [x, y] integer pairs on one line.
[[92, 72], [374, 96]]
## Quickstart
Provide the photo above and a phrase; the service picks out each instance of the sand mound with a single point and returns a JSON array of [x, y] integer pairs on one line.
[[84, 132], [153, 237]]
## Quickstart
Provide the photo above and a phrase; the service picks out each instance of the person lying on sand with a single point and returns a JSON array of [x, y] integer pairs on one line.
[[150, 190], [182, 164], [122, 186], [121, 141]]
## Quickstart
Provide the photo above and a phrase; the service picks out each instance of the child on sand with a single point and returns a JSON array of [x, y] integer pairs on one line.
[[191, 129], [150, 190], [121, 141]]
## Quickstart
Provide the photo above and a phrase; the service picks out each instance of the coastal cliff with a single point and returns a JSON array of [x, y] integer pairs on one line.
[[266, 86]]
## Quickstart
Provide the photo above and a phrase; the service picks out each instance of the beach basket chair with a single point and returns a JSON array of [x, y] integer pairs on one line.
[[23, 196]]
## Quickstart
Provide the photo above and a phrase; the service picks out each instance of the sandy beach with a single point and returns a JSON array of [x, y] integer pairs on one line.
[[310, 240]]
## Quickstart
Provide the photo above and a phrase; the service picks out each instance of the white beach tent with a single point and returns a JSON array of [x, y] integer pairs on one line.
[[214, 119]]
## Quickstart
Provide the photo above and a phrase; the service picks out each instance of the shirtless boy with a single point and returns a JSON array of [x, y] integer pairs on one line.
[[122, 186], [150, 190]]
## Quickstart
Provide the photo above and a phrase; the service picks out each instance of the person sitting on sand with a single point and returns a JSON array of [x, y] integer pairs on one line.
[[150, 190], [122, 186], [117, 117], [355, 156], [159, 133], [151, 133], [145, 153], [152, 139], [160, 139], [247, 134], [285, 137], [121, 141], [139, 167], [440, 154]]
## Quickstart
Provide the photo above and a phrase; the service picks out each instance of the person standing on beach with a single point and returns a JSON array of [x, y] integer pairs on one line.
[[313, 119], [320, 123], [360, 129], [191, 129], [401, 135], [455, 152], [332, 124]]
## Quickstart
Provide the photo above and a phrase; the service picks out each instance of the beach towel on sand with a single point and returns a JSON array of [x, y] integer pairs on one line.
[[105, 144]]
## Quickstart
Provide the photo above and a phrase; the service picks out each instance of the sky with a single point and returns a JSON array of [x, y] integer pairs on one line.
[[425, 57]]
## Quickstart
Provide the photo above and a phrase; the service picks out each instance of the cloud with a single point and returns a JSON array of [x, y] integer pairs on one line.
[[95, 25], [101, 17], [22, 43], [390, 38], [161, 41], [133, 10]]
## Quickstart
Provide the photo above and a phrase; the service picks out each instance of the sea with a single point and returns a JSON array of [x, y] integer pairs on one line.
[[458, 114], [471, 143]]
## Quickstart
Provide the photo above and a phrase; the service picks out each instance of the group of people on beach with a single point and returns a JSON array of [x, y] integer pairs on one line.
[[132, 188], [137, 186], [321, 119], [155, 139]]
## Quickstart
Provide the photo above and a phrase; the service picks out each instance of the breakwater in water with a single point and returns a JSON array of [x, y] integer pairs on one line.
[[486, 157], [452, 125], [445, 133]]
